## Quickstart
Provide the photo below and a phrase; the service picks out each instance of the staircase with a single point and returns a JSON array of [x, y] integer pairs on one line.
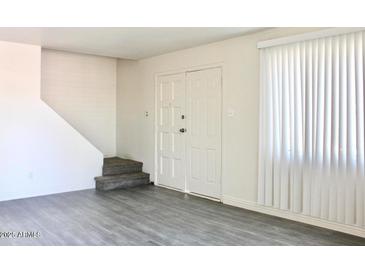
[[121, 173]]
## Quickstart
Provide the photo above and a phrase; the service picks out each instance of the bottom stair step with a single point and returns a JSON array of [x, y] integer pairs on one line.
[[122, 181]]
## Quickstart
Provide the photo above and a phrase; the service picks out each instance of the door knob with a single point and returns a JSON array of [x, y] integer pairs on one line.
[[182, 130]]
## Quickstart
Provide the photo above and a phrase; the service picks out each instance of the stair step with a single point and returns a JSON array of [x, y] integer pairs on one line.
[[116, 166], [120, 181]]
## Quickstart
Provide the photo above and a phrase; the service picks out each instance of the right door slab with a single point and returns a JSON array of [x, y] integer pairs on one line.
[[204, 153]]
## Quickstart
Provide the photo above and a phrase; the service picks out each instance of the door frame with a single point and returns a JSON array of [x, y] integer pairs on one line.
[[185, 71]]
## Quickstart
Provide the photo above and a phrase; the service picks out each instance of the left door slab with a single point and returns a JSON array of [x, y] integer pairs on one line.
[[171, 104]]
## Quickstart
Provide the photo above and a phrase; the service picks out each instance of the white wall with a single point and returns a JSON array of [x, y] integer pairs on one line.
[[82, 89], [40, 153]]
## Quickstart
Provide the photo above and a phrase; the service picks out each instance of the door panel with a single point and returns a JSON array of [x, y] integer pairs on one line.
[[171, 142], [204, 132]]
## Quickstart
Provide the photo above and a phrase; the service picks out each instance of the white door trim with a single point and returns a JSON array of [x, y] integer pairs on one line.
[[177, 71]]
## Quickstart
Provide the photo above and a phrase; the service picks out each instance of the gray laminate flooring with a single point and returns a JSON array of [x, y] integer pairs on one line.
[[150, 215]]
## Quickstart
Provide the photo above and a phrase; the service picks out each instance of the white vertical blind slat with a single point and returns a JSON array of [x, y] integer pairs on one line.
[[276, 131], [359, 59], [342, 132], [351, 132], [285, 129], [315, 189], [262, 130], [269, 145]]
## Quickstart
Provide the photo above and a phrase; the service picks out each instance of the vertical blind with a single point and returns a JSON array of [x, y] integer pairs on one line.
[[311, 156]]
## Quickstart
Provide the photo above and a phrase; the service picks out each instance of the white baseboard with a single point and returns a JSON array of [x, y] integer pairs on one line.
[[353, 230]]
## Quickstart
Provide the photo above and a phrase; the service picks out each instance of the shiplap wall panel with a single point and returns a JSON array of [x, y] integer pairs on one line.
[[82, 89]]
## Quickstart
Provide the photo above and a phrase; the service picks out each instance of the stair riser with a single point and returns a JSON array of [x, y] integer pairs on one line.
[[116, 170], [110, 185]]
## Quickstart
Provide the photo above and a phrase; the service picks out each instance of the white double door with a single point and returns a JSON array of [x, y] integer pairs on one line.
[[189, 131]]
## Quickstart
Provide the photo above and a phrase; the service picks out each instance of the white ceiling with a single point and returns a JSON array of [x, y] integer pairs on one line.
[[127, 43]]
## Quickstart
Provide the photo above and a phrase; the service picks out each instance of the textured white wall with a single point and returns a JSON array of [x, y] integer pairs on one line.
[[40, 153], [82, 89]]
